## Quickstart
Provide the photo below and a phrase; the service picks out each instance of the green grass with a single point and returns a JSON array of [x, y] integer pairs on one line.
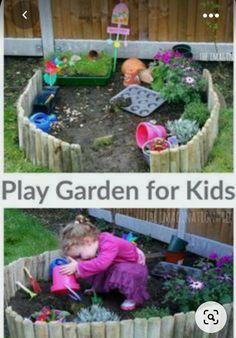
[[85, 66], [221, 157], [25, 235], [15, 160]]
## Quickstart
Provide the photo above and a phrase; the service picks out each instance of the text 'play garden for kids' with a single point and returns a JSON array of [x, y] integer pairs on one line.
[[115, 94], [115, 273]]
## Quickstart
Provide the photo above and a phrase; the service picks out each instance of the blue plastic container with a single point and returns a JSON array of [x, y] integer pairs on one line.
[[56, 262], [43, 121]]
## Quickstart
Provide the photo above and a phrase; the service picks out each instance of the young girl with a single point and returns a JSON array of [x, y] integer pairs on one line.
[[106, 261]]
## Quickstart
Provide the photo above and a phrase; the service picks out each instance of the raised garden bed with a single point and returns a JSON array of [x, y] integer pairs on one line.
[[178, 325], [65, 155]]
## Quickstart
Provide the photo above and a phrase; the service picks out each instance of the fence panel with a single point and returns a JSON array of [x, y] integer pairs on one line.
[[167, 217], [154, 20], [211, 223]]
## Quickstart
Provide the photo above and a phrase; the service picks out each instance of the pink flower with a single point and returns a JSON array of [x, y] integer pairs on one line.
[[41, 318], [196, 285], [189, 80]]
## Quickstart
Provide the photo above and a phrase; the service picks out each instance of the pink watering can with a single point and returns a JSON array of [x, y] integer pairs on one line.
[[147, 131], [64, 284]]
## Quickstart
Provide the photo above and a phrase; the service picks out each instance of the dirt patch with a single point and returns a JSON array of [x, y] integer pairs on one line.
[[84, 115], [112, 301]]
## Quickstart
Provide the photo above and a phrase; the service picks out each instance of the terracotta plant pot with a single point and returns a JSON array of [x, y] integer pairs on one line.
[[174, 257]]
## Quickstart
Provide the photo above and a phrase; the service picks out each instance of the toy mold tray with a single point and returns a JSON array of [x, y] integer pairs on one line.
[[144, 101]]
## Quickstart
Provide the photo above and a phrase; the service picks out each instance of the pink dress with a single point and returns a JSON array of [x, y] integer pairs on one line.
[[116, 267]]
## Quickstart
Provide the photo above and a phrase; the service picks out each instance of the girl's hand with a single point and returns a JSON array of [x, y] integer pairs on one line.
[[141, 257], [71, 268]]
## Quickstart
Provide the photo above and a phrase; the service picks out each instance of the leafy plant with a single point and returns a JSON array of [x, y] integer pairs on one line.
[[196, 111], [159, 74], [184, 130], [151, 311], [177, 78], [96, 300], [211, 6], [215, 284], [183, 85], [46, 314], [96, 313]]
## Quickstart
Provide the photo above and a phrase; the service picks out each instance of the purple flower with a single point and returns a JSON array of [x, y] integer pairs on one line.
[[178, 54], [213, 256], [166, 56], [224, 260]]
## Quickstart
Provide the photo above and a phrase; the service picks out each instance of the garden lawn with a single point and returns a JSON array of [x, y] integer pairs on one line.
[[25, 235], [15, 160], [16, 78], [221, 157]]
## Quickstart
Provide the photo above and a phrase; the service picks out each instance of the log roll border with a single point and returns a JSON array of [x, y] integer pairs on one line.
[[180, 325], [193, 156], [39, 147], [48, 151]]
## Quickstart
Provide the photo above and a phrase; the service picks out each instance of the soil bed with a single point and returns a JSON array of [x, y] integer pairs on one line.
[[25, 307], [84, 115]]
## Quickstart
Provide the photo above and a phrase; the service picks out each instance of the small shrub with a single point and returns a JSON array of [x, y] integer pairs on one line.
[[151, 311], [196, 111], [96, 313], [184, 130]]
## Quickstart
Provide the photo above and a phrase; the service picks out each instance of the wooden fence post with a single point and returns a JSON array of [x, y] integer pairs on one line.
[[98, 330], [140, 328], [126, 328], [46, 24], [84, 330], [154, 328], [112, 329]]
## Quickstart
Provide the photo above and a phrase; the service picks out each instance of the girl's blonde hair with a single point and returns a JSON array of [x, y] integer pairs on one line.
[[74, 233]]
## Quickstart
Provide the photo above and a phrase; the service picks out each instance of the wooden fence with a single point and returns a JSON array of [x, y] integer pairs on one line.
[[205, 230], [214, 224], [194, 155], [153, 20], [169, 217], [181, 325], [41, 148]]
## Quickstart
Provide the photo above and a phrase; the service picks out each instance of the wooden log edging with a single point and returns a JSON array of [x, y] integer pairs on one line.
[[39, 147], [178, 326], [194, 155]]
